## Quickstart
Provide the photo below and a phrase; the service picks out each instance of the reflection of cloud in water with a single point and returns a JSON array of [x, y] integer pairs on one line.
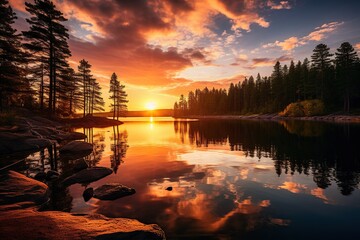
[[280, 222], [293, 187], [213, 200], [319, 193], [213, 158]]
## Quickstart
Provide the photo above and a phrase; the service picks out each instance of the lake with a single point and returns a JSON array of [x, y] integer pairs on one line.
[[229, 179]]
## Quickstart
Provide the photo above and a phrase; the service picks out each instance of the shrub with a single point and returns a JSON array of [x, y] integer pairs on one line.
[[305, 108]]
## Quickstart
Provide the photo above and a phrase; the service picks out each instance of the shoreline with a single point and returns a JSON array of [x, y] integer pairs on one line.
[[275, 117]]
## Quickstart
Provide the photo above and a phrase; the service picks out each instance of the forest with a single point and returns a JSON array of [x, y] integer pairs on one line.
[[35, 72], [328, 83]]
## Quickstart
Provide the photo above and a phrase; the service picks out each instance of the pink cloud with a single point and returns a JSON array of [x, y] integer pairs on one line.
[[278, 6]]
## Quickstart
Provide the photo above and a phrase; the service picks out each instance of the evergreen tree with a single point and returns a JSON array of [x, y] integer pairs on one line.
[[91, 91], [346, 59], [67, 94], [47, 42], [118, 97], [277, 87], [321, 64], [12, 71]]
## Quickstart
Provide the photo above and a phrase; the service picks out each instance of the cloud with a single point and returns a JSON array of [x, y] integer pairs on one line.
[[318, 34], [241, 13], [149, 42], [293, 187], [357, 46], [261, 62], [184, 86], [278, 6], [240, 60]]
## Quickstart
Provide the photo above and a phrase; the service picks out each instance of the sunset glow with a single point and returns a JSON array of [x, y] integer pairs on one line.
[[150, 106], [161, 49]]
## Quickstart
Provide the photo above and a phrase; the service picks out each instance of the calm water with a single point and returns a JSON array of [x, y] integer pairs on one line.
[[230, 179]]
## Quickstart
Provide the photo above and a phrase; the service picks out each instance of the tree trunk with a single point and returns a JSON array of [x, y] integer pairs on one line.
[[54, 88], [42, 88], [84, 89]]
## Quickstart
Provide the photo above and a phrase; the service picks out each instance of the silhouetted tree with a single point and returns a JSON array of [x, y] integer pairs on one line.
[[47, 41], [118, 97], [346, 59], [321, 63], [91, 90], [13, 83]]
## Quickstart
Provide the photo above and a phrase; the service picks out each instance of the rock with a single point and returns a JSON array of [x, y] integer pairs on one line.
[[87, 175], [80, 165], [75, 150], [112, 191], [52, 175], [40, 176], [76, 146], [88, 194], [16, 188], [69, 136], [30, 224], [169, 189], [17, 142]]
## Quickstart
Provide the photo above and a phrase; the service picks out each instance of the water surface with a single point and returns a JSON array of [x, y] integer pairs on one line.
[[230, 179]]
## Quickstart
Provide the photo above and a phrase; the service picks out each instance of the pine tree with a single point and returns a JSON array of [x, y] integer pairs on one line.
[[90, 90], [321, 64], [118, 97], [346, 59], [277, 87], [12, 59], [47, 41]]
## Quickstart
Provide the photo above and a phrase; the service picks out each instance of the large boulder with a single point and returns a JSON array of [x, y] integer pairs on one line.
[[16, 188], [79, 165], [61, 136], [21, 142], [112, 191], [75, 149], [87, 175]]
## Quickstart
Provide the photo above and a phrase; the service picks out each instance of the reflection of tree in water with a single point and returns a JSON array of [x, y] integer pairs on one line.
[[328, 151], [118, 147], [181, 128], [97, 141]]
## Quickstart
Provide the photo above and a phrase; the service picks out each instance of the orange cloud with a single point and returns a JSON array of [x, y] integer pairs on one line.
[[318, 34], [293, 187], [319, 193], [357, 46]]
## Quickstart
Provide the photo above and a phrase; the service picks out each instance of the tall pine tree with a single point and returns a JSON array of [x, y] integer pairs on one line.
[[12, 59], [346, 59], [47, 41]]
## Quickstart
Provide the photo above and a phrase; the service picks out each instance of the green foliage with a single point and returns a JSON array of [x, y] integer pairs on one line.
[[305, 108]]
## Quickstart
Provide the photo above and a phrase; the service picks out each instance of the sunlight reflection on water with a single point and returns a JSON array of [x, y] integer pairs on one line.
[[228, 180]]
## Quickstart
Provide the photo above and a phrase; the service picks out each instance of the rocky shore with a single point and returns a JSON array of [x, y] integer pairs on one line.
[[20, 198]]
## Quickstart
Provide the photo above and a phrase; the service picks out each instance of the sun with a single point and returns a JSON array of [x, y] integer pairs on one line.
[[150, 106]]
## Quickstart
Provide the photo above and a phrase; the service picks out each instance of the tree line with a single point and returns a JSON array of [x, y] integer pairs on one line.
[[34, 67], [332, 79]]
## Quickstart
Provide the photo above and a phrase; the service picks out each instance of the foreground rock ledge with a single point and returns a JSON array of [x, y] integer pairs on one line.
[[30, 224], [19, 219]]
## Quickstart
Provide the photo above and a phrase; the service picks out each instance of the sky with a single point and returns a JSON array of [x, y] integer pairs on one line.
[[163, 48]]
